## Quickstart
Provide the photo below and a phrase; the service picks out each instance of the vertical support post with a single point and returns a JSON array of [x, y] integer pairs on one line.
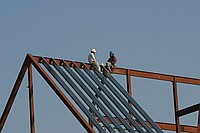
[[129, 88], [175, 94], [198, 126], [31, 99], [128, 78]]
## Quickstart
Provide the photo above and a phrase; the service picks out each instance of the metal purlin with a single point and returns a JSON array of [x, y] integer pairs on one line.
[[73, 96], [58, 68], [106, 102], [91, 95], [126, 104], [113, 99], [134, 103]]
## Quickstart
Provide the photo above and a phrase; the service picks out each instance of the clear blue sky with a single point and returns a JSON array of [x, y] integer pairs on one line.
[[156, 36]]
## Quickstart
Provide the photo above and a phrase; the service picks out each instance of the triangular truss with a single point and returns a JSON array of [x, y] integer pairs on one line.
[[107, 105]]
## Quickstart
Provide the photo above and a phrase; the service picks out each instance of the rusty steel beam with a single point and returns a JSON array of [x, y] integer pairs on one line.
[[158, 76], [129, 88], [166, 126], [61, 95], [13, 93], [151, 75], [59, 61], [31, 99], [172, 127], [136, 73]]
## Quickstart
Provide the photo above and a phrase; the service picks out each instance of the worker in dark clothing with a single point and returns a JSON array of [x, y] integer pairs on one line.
[[111, 62]]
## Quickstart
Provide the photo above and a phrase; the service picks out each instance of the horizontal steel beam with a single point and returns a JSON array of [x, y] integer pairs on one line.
[[167, 126], [136, 73], [172, 127]]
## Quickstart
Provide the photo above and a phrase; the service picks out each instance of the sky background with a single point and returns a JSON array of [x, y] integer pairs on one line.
[[155, 36]]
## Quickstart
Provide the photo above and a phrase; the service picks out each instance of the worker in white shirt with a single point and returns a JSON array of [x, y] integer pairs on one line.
[[92, 60]]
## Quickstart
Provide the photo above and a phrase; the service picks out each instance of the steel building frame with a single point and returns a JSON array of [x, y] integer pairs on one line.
[[35, 61]]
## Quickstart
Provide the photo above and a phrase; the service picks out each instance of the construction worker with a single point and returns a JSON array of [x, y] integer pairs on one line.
[[111, 62], [92, 60]]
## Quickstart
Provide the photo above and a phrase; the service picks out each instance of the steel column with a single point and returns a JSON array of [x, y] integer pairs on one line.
[[31, 99], [128, 79], [129, 88], [13, 93], [198, 126], [175, 95]]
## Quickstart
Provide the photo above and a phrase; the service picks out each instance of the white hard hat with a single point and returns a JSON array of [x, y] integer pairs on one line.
[[93, 50]]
